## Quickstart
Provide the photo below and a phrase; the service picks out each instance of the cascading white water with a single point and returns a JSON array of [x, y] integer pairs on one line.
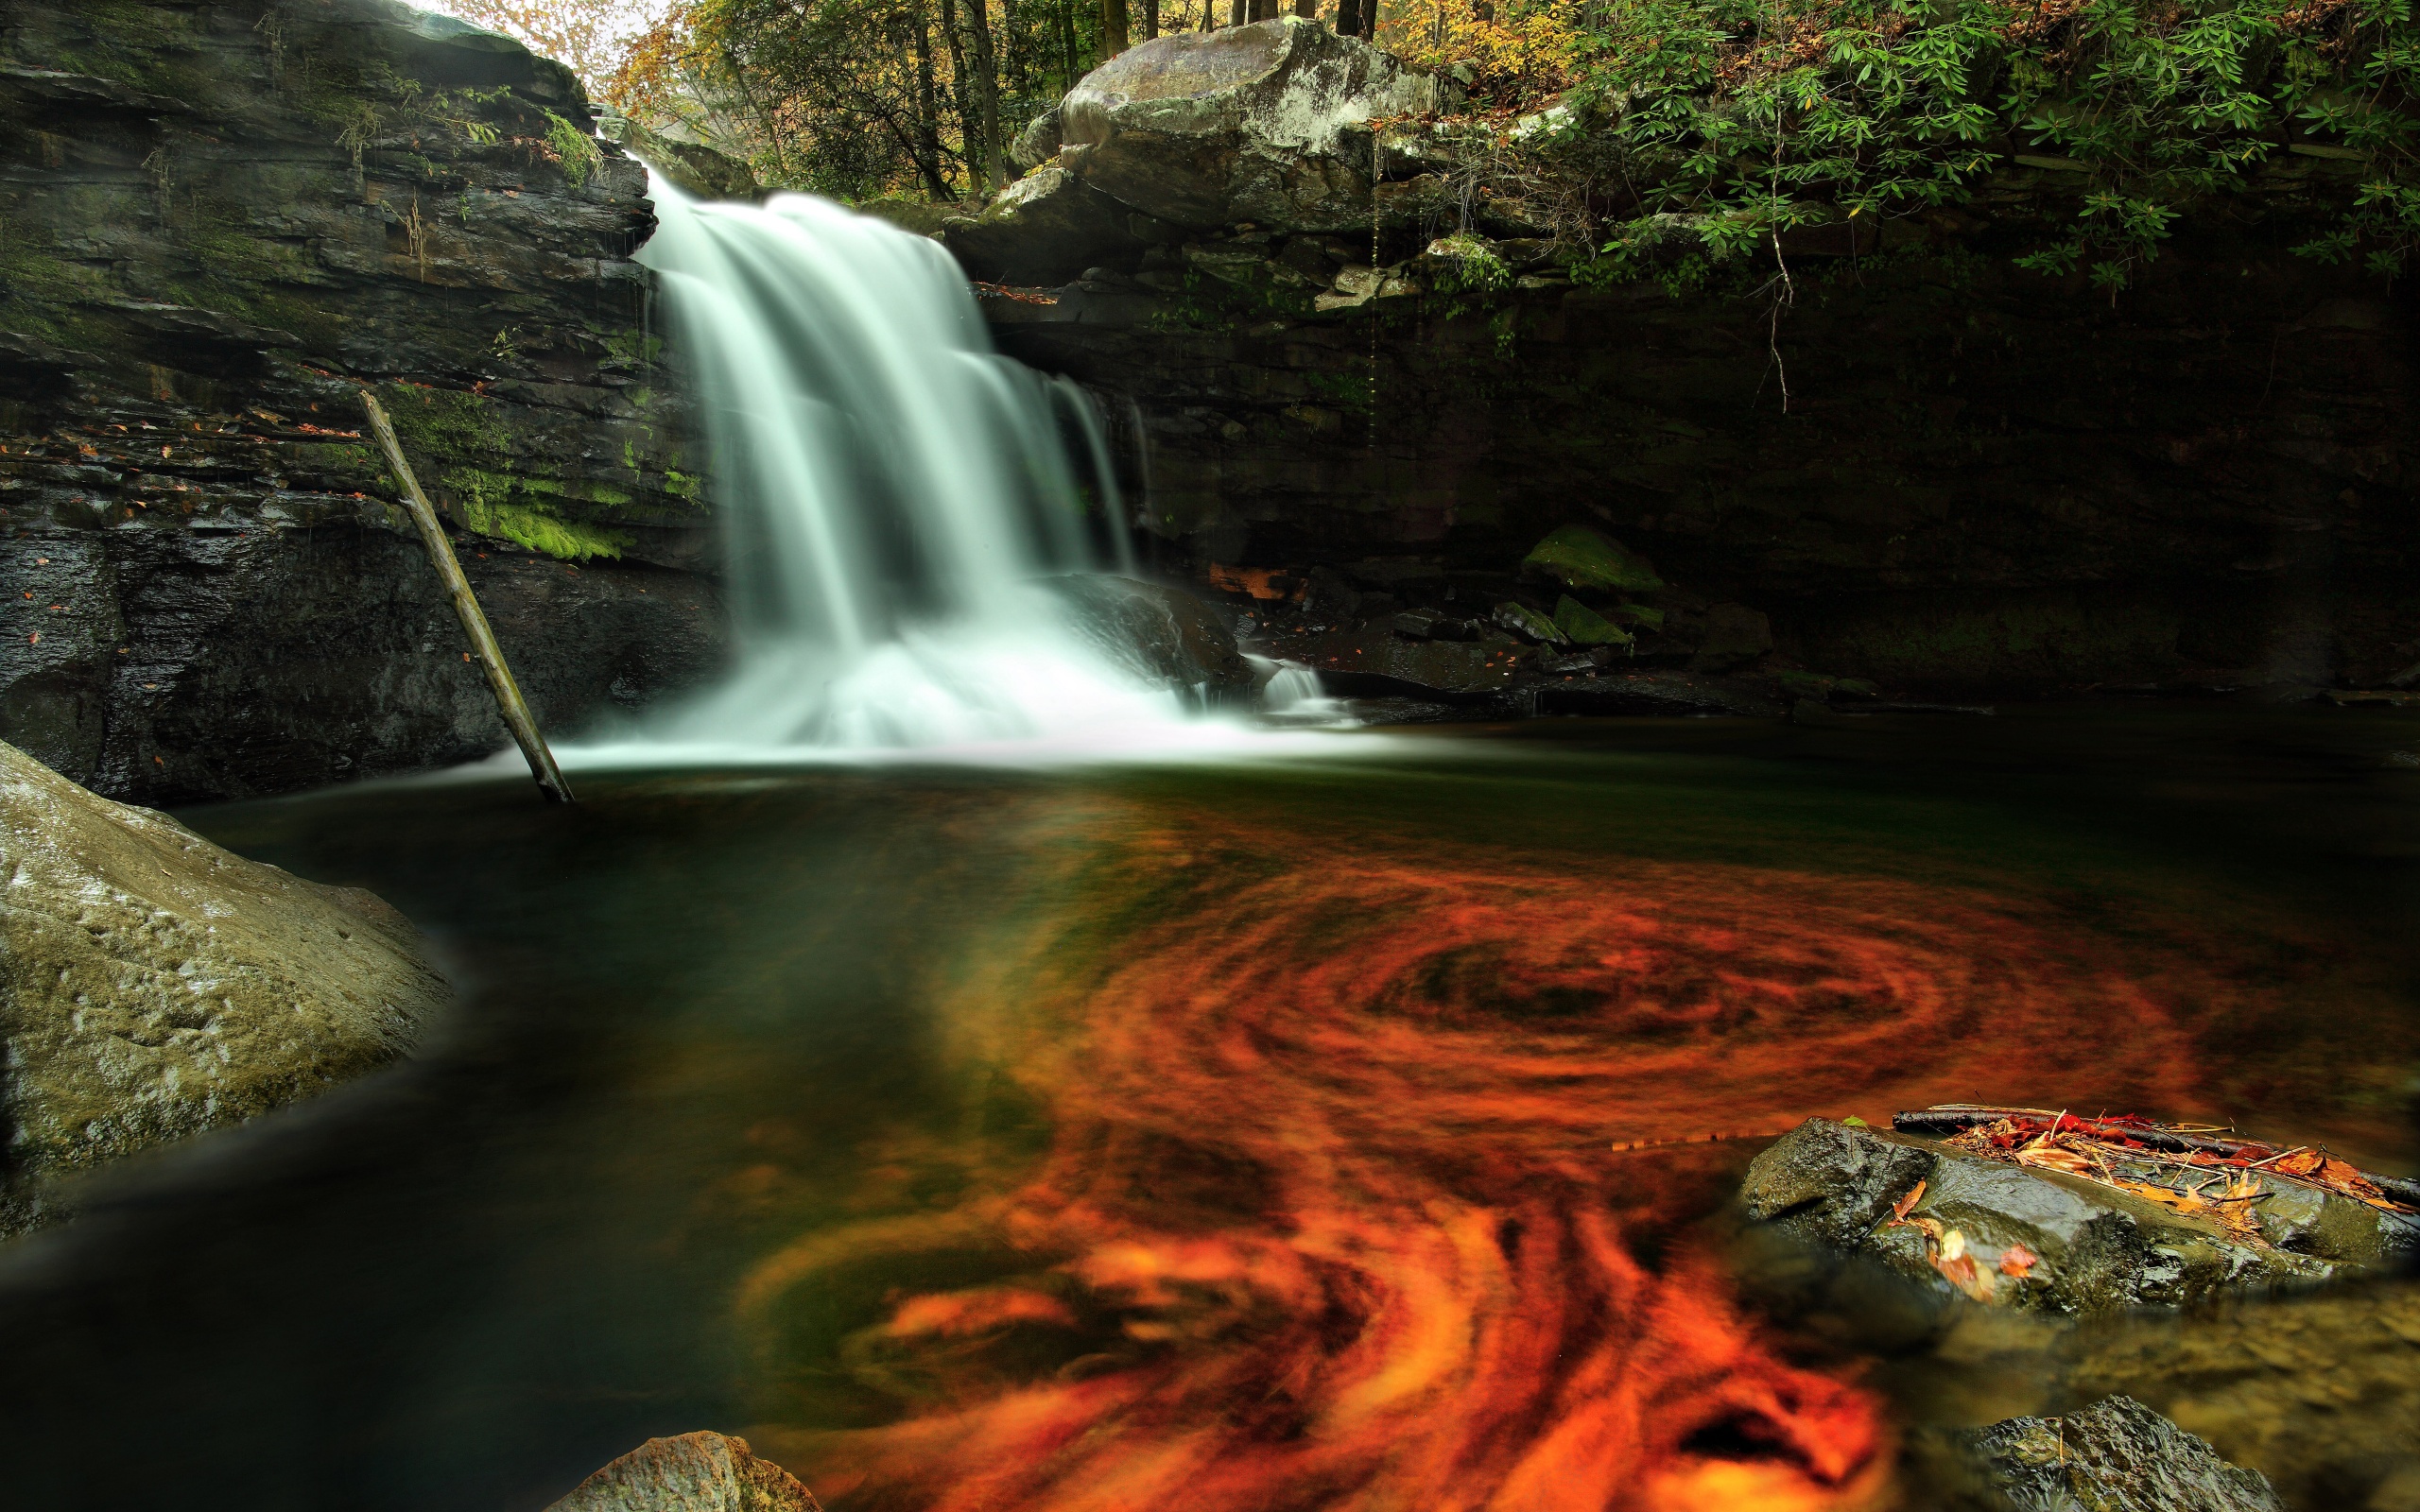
[[893, 486]]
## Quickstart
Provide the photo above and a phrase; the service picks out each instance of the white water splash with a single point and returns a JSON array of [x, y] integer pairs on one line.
[[893, 488]]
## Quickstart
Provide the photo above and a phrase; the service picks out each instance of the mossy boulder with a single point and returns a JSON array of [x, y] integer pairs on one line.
[[1583, 558], [1583, 626]]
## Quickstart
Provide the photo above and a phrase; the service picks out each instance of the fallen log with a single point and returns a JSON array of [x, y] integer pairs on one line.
[[517, 718]]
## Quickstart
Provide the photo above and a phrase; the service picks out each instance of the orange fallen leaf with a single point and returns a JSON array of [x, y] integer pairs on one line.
[[1900, 1209], [1958, 1267], [2019, 1262]]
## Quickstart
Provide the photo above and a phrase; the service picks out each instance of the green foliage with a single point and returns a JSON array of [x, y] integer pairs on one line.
[[574, 148], [1466, 263], [1583, 558], [1758, 119]]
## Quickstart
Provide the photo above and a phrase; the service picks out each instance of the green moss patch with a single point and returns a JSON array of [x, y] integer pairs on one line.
[[1583, 558]]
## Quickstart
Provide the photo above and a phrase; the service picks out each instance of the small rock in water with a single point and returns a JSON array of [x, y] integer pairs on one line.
[[693, 1473], [2045, 1240], [2116, 1455]]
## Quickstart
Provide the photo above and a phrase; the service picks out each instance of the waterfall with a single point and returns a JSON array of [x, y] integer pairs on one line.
[[893, 490]]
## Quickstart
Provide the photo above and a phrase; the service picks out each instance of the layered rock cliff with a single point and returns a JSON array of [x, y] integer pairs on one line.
[[1928, 467], [220, 219]]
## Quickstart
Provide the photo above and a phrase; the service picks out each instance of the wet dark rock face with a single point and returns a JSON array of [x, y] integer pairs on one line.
[[191, 664], [2116, 1455], [218, 223], [1931, 469], [1984, 481]]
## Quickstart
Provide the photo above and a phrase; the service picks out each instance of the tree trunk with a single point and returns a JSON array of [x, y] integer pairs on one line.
[[987, 91], [1308, 10], [1150, 19], [1348, 18], [962, 91], [1113, 28], [1013, 50], [1067, 45], [1239, 14], [928, 124]]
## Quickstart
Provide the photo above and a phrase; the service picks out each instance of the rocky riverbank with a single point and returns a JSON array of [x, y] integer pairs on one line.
[[218, 221]]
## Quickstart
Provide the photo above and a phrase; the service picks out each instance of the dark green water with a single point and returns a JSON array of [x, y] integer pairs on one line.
[[706, 1014]]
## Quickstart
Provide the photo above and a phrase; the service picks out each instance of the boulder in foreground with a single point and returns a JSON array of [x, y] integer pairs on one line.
[[153, 985], [2116, 1455], [693, 1473], [2042, 1239]]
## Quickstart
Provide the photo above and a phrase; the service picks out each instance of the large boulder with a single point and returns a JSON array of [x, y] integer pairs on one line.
[[1267, 123], [2116, 1455], [153, 985], [693, 1473], [2045, 1240]]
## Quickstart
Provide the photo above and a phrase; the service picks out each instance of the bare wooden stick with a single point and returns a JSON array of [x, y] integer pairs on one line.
[[466, 606]]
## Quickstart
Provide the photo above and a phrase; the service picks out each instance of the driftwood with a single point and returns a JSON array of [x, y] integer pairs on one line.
[[466, 607]]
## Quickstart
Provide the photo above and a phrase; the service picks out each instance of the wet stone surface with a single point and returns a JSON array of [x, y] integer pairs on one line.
[[2116, 1455], [2092, 1249]]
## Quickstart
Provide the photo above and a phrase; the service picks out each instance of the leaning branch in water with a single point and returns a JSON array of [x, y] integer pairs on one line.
[[517, 718]]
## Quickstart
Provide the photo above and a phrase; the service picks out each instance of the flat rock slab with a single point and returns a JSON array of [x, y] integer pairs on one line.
[[153, 985], [2116, 1455], [693, 1473], [2098, 1248]]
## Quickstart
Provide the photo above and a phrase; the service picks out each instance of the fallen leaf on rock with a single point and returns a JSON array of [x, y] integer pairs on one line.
[[1900, 1209], [1958, 1267], [2019, 1262]]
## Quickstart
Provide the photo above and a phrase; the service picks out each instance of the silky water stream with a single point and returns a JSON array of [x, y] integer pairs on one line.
[[1245, 1136]]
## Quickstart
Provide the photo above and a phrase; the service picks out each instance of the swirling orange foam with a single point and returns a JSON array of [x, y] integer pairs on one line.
[[1333, 1214]]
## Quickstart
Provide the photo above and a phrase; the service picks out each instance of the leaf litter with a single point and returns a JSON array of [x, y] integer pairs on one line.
[[2196, 1170]]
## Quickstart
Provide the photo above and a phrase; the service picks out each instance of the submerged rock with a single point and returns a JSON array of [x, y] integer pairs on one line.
[[2116, 1455], [693, 1473], [1266, 123], [153, 985], [2045, 1240], [1162, 635]]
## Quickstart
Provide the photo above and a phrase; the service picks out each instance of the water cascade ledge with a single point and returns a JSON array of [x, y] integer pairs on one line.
[[906, 507]]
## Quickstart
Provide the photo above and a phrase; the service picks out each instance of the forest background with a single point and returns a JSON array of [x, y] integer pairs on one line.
[[1612, 125]]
